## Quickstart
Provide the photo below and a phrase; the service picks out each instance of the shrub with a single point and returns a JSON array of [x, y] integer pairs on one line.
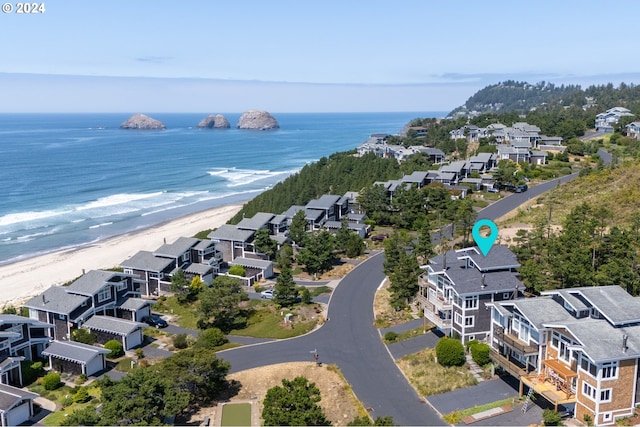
[[210, 339], [470, 344], [390, 336], [450, 352], [180, 341], [551, 417], [480, 353], [237, 270], [139, 353], [115, 347], [51, 381], [305, 296], [81, 396], [31, 371], [84, 336], [82, 378]]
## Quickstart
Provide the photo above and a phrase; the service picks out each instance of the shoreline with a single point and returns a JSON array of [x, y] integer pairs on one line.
[[24, 279]]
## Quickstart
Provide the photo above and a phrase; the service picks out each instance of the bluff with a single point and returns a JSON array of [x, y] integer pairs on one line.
[[140, 121], [217, 121], [257, 119]]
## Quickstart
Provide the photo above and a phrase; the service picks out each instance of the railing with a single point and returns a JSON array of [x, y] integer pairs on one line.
[[439, 322], [515, 342], [506, 364]]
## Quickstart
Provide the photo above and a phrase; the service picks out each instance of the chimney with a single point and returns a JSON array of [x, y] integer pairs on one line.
[[83, 271], [483, 284], [624, 343], [444, 261], [44, 300]]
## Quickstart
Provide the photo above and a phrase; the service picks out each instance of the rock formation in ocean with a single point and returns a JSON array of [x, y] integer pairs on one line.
[[217, 121], [257, 119], [140, 121]]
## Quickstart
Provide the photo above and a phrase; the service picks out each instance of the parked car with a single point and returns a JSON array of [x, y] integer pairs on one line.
[[268, 294], [379, 237], [493, 190], [155, 321], [521, 188]]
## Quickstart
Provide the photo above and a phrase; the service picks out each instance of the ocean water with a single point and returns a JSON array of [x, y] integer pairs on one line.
[[73, 179]]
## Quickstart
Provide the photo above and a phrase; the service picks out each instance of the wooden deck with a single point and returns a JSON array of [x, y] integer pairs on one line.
[[546, 388]]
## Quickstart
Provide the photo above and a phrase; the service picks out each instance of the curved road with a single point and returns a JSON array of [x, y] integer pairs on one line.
[[350, 340]]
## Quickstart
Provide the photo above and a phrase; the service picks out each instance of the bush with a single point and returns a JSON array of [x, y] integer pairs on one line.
[[210, 339], [31, 371], [470, 344], [139, 353], [180, 341], [51, 381], [551, 417], [480, 353], [115, 347], [82, 378], [237, 270], [450, 352], [81, 396], [390, 336], [84, 336], [305, 296]]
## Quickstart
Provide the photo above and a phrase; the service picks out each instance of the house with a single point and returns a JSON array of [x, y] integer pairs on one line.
[[436, 155], [360, 228], [606, 120], [66, 307], [482, 162], [75, 358], [456, 285], [334, 207], [633, 130], [16, 405], [258, 221], [578, 348], [152, 273], [107, 328], [232, 241], [255, 269], [187, 251], [21, 339]]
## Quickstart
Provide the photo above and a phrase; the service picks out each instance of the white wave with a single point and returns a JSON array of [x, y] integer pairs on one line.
[[19, 217], [117, 199], [101, 225], [238, 177]]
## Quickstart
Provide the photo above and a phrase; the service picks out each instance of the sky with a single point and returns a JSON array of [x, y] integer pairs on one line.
[[222, 56]]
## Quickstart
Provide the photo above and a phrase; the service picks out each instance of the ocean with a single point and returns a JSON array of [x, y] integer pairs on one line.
[[68, 180]]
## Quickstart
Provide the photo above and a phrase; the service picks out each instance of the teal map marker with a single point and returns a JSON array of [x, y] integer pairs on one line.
[[485, 243]]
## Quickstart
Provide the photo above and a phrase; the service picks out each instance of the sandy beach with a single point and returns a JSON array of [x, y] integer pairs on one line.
[[22, 280]]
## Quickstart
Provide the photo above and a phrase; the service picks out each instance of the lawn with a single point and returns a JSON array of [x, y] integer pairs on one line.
[[319, 290], [401, 336], [184, 315], [267, 322], [55, 418], [236, 414], [457, 416]]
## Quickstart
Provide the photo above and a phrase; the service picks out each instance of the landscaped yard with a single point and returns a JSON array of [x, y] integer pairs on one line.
[[236, 414], [268, 322], [64, 397], [184, 315]]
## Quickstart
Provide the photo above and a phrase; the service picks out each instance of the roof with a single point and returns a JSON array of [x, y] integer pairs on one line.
[[278, 219], [198, 268], [74, 351], [13, 319], [602, 342], [326, 201], [134, 304], [112, 325], [230, 233], [11, 396], [203, 244], [417, 177], [540, 310], [147, 261], [56, 300], [253, 262], [91, 282], [258, 221], [314, 214], [177, 248], [613, 302], [499, 257]]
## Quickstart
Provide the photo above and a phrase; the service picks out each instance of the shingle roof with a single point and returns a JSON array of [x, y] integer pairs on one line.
[[198, 268], [177, 248], [56, 300], [541, 310], [11, 396], [602, 342], [324, 202], [147, 261], [73, 351], [13, 319], [230, 233], [258, 221], [134, 304], [90, 283], [252, 262], [112, 325], [618, 306]]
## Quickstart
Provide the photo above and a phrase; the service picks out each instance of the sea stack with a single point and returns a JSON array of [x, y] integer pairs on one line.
[[257, 119], [140, 121], [217, 121]]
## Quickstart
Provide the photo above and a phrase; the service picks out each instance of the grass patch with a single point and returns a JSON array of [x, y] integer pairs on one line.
[[58, 395], [402, 336], [319, 290], [456, 416], [429, 377], [266, 322], [384, 314], [124, 365], [184, 315], [236, 414]]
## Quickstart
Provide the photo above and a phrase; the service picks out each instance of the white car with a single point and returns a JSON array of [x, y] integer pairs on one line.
[[268, 294]]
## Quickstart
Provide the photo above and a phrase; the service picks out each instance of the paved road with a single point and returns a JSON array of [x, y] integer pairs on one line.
[[350, 340]]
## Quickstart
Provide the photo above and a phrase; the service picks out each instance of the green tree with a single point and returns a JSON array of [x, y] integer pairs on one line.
[[285, 289], [465, 218], [115, 347], [355, 246], [342, 235], [317, 255], [298, 228], [424, 248], [87, 416], [450, 352], [83, 335], [397, 244], [211, 339], [237, 270], [81, 396], [180, 287], [285, 255], [404, 280], [51, 381], [264, 243], [375, 202], [220, 305], [293, 404]]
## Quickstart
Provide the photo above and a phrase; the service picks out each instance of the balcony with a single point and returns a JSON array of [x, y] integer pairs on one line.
[[433, 317], [512, 367], [515, 343]]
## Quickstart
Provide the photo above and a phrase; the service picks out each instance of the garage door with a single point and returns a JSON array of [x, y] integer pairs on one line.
[[18, 415]]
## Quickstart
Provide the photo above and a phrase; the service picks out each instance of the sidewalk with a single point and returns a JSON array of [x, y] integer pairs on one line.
[[474, 368]]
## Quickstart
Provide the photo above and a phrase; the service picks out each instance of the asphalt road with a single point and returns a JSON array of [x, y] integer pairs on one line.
[[350, 340]]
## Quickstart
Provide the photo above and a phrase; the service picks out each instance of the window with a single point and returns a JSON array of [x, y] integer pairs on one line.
[[605, 395], [104, 295], [458, 318], [468, 321], [606, 416], [506, 295], [471, 303], [121, 286], [610, 370], [588, 390]]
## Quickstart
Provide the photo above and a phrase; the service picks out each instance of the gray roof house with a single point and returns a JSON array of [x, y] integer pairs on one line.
[[21, 338], [232, 241], [16, 405], [255, 223], [577, 347], [107, 328], [76, 358]]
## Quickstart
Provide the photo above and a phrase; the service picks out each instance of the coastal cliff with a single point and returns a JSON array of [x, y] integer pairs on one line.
[[214, 121], [257, 119], [141, 121]]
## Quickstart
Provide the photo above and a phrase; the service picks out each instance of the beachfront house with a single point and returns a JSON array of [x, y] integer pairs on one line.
[[106, 328], [16, 405], [71, 357], [456, 285], [232, 242], [21, 339], [68, 307], [577, 348]]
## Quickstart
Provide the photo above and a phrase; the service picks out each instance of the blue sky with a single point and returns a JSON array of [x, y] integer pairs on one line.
[[303, 56]]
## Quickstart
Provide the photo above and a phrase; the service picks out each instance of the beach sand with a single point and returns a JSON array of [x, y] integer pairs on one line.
[[25, 279]]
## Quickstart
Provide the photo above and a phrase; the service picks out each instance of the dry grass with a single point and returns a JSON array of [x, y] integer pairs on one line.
[[429, 377], [383, 313]]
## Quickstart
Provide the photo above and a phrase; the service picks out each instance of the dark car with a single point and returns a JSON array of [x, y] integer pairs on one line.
[[155, 321], [522, 188], [379, 237]]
